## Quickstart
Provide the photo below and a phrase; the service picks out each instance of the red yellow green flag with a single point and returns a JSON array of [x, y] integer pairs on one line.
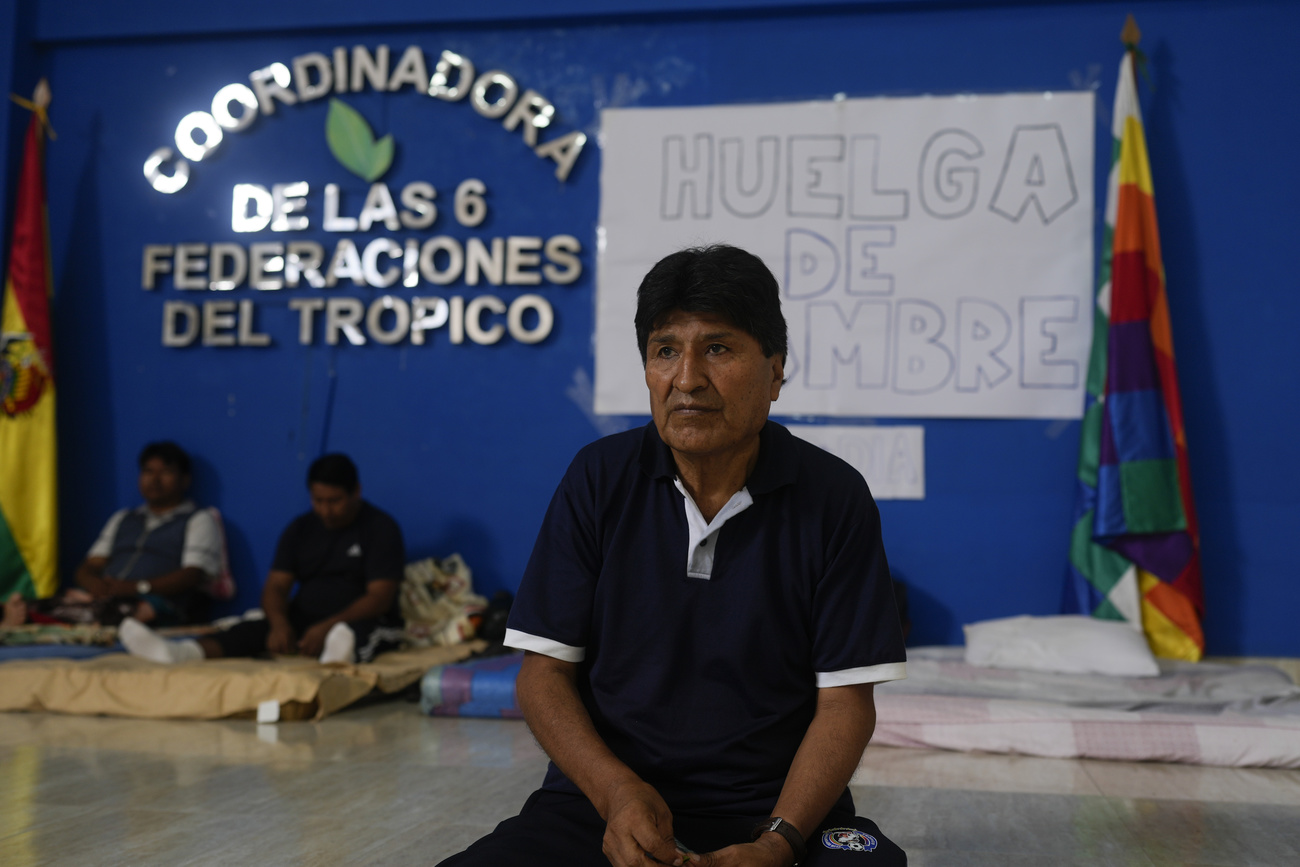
[[1135, 553], [28, 480]]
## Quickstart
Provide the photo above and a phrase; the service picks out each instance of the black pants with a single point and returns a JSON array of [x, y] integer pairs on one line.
[[561, 830], [248, 638]]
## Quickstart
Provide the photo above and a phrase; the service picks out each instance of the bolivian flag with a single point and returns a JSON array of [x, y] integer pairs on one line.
[[28, 495], [1135, 549]]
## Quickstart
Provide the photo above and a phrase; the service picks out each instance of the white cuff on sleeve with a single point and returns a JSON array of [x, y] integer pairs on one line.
[[867, 674], [545, 646]]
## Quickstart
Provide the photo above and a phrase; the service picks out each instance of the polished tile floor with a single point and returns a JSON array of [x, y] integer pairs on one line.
[[381, 785]]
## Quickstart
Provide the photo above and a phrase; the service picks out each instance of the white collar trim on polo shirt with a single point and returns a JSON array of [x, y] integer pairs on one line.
[[703, 535]]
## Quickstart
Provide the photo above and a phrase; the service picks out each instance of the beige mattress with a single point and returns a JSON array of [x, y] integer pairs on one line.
[[120, 685]]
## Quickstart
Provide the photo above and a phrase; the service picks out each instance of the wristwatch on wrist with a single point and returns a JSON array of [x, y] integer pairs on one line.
[[143, 588], [786, 830]]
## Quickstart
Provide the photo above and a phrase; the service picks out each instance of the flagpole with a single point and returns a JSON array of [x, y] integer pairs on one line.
[[1131, 35]]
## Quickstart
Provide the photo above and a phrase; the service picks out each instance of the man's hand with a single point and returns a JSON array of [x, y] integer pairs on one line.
[[91, 577], [769, 850], [282, 639], [99, 586], [638, 824], [275, 602], [118, 587], [313, 640]]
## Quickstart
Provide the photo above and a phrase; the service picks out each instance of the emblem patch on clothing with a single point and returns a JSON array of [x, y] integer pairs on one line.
[[355, 550], [848, 840]]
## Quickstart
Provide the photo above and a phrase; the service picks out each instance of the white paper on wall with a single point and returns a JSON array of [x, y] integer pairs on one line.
[[934, 253], [891, 459]]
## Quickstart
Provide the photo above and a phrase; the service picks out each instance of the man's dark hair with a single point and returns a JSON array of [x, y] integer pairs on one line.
[[334, 469], [169, 453], [723, 280]]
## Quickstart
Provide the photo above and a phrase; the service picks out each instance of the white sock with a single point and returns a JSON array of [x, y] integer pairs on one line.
[[340, 644], [140, 640]]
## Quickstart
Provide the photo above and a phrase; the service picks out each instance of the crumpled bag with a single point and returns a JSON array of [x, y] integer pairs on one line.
[[439, 603]]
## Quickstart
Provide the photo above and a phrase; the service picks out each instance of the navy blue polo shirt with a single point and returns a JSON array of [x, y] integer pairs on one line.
[[333, 568], [706, 686]]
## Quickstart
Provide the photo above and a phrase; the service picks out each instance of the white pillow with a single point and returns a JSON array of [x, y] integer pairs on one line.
[[1071, 644]]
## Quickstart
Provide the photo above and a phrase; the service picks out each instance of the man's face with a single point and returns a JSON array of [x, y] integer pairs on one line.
[[710, 384], [162, 485], [335, 507]]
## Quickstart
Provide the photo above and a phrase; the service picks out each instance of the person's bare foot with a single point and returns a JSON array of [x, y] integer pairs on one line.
[[15, 610]]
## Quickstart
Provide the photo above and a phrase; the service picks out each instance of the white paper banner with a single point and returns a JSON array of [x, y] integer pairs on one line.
[[934, 254], [891, 459]]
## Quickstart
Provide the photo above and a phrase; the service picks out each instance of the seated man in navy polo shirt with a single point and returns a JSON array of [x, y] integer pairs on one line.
[[704, 615], [346, 559]]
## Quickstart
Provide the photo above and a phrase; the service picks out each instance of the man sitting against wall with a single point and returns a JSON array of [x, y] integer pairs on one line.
[[157, 562], [345, 557], [154, 560]]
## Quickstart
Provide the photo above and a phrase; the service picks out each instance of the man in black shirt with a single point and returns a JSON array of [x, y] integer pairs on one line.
[[346, 558], [705, 614]]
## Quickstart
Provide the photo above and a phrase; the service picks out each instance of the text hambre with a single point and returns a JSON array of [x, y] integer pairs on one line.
[[494, 95]]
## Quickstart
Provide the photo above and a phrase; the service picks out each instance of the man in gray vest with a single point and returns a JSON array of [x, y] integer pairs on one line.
[[158, 556]]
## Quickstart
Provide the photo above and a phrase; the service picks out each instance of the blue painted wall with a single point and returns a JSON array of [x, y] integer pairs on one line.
[[464, 444]]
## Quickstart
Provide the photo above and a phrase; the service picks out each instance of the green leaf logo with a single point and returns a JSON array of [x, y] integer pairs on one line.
[[353, 143]]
